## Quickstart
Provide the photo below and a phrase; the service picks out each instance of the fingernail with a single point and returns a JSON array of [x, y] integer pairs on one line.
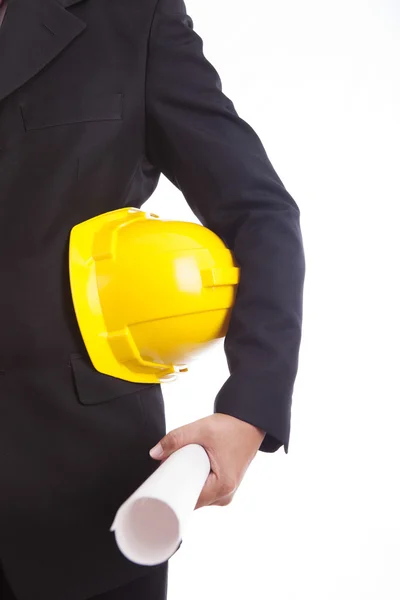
[[156, 452]]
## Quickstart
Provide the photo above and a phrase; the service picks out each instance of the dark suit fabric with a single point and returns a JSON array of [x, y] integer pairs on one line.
[[153, 586], [97, 99]]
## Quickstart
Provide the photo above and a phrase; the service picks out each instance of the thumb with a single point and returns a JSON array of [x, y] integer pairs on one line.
[[175, 439]]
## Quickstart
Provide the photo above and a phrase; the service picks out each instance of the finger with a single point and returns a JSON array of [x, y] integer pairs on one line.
[[209, 492], [224, 501], [191, 433]]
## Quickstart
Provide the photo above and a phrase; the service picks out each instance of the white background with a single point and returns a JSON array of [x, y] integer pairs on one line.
[[318, 82]]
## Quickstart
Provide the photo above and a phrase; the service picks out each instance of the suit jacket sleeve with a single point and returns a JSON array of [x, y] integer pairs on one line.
[[195, 137]]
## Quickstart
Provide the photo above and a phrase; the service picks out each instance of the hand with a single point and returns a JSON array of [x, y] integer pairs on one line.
[[231, 445]]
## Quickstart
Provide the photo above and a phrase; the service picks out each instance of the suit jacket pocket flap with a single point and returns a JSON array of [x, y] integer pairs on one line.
[[93, 387], [63, 110]]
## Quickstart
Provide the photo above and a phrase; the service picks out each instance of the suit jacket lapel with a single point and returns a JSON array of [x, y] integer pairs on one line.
[[33, 33]]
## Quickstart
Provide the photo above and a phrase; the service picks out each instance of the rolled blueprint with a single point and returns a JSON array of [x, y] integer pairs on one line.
[[150, 524]]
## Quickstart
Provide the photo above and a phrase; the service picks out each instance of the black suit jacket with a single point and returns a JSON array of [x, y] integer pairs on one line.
[[97, 99]]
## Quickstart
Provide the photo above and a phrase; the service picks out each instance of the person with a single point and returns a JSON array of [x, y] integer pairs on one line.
[[97, 99]]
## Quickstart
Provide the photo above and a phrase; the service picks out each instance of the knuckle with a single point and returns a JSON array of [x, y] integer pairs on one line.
[[224, 501], [173, 438], [213, 428], [227, 487]]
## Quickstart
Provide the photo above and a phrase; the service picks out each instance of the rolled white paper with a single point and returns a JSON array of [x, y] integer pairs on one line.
[[149, 525]]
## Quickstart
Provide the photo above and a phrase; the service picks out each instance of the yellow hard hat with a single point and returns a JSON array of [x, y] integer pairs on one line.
[[149, 294]]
